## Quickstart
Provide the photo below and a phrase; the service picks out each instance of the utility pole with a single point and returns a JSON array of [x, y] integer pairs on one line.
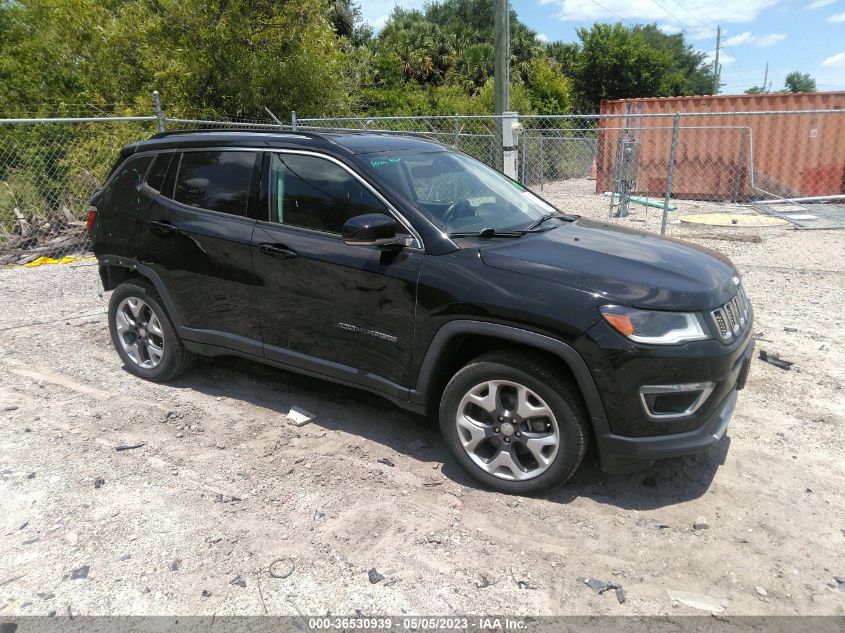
[[766, 77], [501, 46], [716, 68]]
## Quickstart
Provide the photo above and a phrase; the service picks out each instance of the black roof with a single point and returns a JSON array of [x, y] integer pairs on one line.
[[348, 142]]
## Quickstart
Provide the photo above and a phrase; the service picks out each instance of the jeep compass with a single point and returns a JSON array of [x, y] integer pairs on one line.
[[403, 267]]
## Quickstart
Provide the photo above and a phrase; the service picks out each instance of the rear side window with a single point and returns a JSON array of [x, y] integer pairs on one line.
[[315, 193], [155, 177], [217, 181], [125, 183]]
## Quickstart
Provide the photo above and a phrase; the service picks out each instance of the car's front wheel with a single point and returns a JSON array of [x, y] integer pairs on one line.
[[143, 334], [514, 423]]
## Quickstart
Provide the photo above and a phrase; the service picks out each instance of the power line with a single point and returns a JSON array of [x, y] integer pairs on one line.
[[692, 14], [665, 10], [740, 69], [601, 6]]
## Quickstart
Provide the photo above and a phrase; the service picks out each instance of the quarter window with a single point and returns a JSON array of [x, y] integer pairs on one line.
[[126, 181], [155, 178], [217, 181], [314, 193]]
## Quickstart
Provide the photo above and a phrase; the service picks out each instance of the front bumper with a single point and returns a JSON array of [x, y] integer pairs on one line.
[[624, 453]]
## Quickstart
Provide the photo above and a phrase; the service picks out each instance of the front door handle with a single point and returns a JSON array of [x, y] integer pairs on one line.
[[162, 227], [279, 252]]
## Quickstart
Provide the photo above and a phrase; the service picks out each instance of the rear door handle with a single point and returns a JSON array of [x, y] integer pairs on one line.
[[162, 227], [279, 252]]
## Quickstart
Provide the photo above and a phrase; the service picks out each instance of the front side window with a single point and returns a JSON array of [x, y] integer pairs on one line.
[[315, 193], [217, 181], [459, 193]]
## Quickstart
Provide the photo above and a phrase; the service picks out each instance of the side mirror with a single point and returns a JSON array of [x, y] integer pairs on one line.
[[372, 229]]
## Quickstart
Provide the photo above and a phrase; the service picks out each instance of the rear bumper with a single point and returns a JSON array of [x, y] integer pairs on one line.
[[622, 453]]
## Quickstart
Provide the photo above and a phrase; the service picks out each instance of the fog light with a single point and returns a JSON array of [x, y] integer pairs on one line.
[[665, 402]]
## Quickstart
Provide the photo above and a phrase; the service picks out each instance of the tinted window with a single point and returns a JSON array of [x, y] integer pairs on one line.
[[155, 177], [126, 181], [315, 193], [460, 193], [218, 181]]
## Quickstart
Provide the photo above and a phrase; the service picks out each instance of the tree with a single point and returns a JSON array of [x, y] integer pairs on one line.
[[688, 73], [617, 63], [755, 90], [799, 82], [565, 54], [550, 91], [230, 57]]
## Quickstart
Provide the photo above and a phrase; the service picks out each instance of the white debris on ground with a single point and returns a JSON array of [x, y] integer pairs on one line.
[[196, 520]]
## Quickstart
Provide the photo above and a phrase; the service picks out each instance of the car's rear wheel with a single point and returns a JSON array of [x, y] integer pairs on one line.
[[143, 334], [515, 424]]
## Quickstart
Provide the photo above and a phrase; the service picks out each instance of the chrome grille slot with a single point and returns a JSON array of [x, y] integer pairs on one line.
[[732, 318], [746, 306], [721, 323], [729, 309], [739, 311]]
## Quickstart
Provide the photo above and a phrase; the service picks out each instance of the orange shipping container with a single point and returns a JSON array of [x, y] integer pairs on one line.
[[793, 154]]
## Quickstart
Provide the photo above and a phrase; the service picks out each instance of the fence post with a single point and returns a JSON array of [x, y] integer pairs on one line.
[[159, 113], [457, 133], [293, 123], [509, 120], [740, 168], [522, 159], [542, 170], [670, 173]]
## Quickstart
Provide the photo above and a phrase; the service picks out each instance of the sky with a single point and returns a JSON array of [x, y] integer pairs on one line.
[[803, 35]]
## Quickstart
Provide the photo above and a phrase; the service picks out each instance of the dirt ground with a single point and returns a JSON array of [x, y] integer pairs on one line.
[[192, 521]]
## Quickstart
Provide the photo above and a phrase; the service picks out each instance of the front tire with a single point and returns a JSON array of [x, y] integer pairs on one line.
[[143, 334], [514, 423]]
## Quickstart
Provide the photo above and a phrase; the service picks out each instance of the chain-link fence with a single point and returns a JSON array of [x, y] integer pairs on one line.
[[50, 167], [787, 164], [656, 170]]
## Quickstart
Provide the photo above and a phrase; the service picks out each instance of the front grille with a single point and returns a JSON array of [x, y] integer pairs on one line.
[[732, 318]]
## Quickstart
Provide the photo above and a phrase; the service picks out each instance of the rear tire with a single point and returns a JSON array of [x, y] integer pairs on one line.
[[143, 334], [514, 423]]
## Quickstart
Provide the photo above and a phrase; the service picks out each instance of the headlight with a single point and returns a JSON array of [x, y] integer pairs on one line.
[[652, 326]]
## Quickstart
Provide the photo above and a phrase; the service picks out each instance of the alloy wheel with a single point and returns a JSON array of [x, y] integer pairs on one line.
[[139, 332], [507, 430]]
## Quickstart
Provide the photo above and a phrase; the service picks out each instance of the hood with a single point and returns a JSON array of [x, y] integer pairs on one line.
[[627, 267]]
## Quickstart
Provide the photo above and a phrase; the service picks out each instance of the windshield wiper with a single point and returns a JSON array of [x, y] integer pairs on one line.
[[536, 223], [488, 232]]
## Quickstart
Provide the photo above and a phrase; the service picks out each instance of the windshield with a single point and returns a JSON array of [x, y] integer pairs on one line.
[[459, 193]]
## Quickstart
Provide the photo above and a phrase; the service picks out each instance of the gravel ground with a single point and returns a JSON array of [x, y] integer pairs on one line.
[[192, 521]]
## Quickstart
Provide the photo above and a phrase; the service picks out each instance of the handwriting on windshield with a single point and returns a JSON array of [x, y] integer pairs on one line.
[[385, 161]]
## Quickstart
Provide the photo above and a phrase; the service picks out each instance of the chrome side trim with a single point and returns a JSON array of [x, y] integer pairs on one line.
[[418, 243], [706, 388]]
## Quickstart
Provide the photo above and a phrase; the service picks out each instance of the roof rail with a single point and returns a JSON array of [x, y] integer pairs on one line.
[[307, 134]]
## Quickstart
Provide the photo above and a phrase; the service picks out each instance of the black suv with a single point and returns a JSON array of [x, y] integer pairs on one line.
[[411, 270]]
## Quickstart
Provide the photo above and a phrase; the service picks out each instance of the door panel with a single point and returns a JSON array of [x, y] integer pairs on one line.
[[204, 257], [206, 265], [342, 304]]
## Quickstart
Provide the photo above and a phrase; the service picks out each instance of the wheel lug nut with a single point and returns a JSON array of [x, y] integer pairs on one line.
[[501, 418], [518, 434], [496, 430], [507, 440]]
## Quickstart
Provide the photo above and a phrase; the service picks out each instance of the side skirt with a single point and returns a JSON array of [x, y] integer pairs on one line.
[[310, 366]]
